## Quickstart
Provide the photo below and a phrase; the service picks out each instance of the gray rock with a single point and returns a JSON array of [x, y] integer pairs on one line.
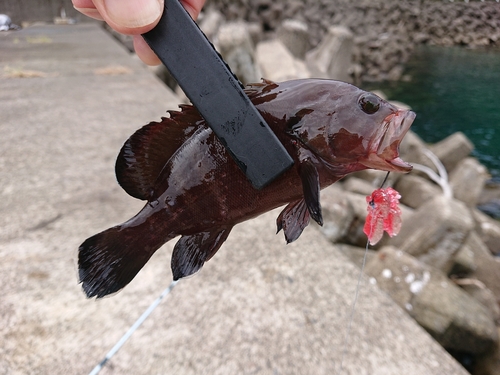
[[452, 150], [449, 314], [338, 213], [359, 186], [398, 274], [467, 181], [416, 191], [436, 232], [489, 230], [488, 266], [294, 34], [356, 254], [375, 178], [332, 58], [453, 318], [235, 45], [463, 262], [489, 363], [412, 150], [477, 290], [277, 63], [210, 21]]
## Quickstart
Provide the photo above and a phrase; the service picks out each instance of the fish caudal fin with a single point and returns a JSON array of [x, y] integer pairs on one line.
[[110, 260]]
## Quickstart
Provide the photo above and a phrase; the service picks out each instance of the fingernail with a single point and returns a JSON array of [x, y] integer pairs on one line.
[[90, 12], [133, 13]]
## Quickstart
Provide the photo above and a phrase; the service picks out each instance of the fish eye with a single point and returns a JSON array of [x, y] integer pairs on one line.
[[369, 103]]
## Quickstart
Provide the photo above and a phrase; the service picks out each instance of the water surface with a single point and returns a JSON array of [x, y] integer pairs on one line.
[[454, 89]]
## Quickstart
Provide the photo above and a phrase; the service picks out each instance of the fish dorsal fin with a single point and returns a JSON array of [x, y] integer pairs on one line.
[[255, 89], [146, 152]]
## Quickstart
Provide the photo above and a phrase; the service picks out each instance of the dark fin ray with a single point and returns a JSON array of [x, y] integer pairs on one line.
[[293, 219], [110, 260], [146, 152], [311, 188], [191, 252]]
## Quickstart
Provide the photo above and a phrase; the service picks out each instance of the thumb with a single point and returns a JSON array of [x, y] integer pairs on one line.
[[130, 16]]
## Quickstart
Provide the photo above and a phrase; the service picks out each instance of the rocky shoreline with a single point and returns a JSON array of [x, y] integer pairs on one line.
[[384, 33], [443, 268]]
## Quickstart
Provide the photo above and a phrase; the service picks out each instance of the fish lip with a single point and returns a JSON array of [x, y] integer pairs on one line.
[[384, 149]]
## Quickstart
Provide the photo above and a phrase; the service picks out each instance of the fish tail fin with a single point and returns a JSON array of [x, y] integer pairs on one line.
[[109, 260]]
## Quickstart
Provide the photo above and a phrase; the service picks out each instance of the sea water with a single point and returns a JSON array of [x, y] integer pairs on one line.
[[453, 89]]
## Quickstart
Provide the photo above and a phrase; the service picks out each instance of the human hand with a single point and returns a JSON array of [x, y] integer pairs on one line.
[[133, 17]]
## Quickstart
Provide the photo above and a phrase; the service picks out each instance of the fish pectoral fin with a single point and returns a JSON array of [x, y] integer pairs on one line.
[[191, 252], [311, 187], [293, 219], [145, 153]]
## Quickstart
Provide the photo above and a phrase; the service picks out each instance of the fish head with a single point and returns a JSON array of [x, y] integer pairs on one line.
[[351, 129]]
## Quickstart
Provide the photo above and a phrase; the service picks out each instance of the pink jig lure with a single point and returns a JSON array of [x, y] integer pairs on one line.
[[384, 214]]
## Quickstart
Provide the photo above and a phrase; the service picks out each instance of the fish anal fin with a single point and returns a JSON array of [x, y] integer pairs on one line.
[[146, 152], [192, 251], [293, 219]]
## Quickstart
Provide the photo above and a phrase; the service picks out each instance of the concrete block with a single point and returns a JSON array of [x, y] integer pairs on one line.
[[467, 181], [449, 314], [294, 34], [277, 63], [488, 230], [452, 150], [416, 191], [435, 232], [332, 58]]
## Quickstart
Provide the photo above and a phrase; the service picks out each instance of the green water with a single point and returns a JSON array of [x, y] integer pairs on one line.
[[454, 89]]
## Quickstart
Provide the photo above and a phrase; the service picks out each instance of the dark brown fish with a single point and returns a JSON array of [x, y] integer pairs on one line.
[[194, 189]]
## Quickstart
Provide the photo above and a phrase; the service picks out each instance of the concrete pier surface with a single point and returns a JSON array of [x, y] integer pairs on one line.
[[69, 97]]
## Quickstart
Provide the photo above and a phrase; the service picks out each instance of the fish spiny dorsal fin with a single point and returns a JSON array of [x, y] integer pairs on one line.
[[146, 152], [255, 89]]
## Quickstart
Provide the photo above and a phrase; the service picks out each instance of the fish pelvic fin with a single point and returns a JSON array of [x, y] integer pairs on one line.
[[310, 185], [192, 251], [145, 153], [109, 260]]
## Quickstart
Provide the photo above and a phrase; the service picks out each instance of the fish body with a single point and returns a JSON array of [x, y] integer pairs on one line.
[[194, 189]]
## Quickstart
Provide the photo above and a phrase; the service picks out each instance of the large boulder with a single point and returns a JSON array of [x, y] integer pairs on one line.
[[452, 150], [450, 315], [338, 213], [294, 34], [416, 191], [332, 58], [436, 232], [488, 266], [277, 63], [467, 181], [236, 47], [489, 231]]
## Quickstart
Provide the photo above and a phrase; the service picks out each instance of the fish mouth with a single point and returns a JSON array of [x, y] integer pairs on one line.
[[384, 149]]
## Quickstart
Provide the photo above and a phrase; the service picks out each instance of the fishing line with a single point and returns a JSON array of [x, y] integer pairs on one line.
[[358, 284], [133, 328]]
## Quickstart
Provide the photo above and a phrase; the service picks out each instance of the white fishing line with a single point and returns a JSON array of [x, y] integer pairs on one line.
[[356, 294], [133, 328]]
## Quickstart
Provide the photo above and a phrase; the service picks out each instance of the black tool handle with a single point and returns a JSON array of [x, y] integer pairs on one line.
[[218, 95]]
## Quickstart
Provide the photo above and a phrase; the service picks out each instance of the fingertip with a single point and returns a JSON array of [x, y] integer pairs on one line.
[[144, 52], [130, 16]]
